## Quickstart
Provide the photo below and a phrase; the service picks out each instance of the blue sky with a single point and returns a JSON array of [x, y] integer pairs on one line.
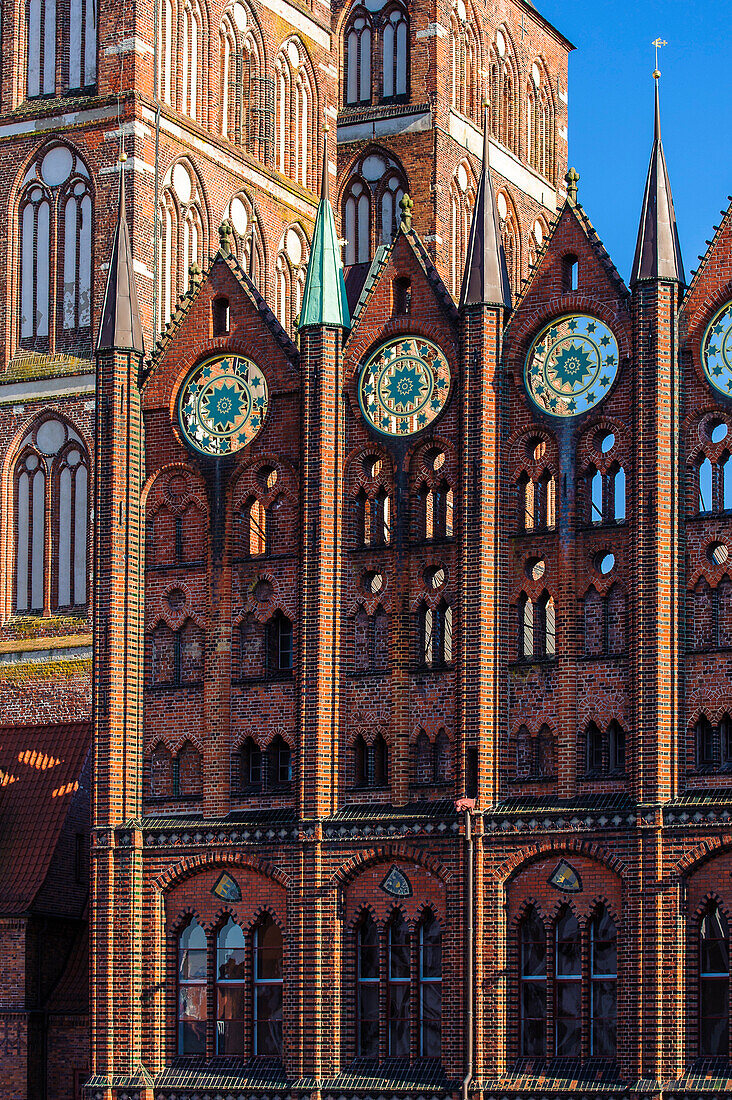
[[611, 112]]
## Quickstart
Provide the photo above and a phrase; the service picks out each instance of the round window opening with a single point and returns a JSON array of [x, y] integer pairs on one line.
[[606, 442], [718, 553], [373, 582], [572, 365], [372, 466], [535, 569], [404, 386], [267, 477], [717, 431], [435, 577], [605, 563]]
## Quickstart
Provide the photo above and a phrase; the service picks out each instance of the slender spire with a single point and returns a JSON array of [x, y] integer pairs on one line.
[[485, 279], [324, 300], [658, 252], [121, 326]]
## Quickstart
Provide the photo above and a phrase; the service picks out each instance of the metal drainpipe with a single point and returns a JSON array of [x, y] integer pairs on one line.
[[470, 953]]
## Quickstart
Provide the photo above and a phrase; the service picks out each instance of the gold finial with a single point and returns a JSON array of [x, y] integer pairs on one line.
[[658, 42], [122, 156]]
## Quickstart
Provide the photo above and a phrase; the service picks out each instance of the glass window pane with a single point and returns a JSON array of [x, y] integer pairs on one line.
[[431, 1019], [192, 1019], [268, 1017], [230, 1020], [192, 965]]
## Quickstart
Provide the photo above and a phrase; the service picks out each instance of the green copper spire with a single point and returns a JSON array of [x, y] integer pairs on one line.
[[324, 300]]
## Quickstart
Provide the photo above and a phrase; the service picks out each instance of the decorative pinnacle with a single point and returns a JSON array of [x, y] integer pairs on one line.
[[195, 276], [406, 205], [225, 232], [572, 179]]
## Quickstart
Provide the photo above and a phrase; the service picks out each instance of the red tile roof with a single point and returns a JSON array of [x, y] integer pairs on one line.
[[40, 768]]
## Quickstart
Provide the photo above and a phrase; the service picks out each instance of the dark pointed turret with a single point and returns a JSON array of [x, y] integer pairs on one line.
[[485, 280], [324, 300], [657, 253], [120, 326]]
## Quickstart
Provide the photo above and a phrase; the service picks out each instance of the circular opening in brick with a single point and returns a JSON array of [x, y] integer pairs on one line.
[[51, 437], [718, 553], [267, 477], [373, 582], [605, 442], [717, 430], [435, 459], [605, 563], [176, 487], [535, 569], [175, 599], [435, 577], [263, 591], [373, 466], [536, 449]]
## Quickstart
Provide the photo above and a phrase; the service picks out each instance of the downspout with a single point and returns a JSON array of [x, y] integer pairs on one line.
[[470, 952]]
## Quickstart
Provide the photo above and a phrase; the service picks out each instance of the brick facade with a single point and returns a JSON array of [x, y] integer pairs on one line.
[[304, 652]]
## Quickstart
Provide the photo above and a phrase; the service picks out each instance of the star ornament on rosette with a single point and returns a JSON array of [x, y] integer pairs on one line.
[[572, 365], [717, 351], [222, 405], [404, 386]]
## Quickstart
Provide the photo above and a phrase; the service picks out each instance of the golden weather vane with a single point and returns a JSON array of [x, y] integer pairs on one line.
[[657, 42]]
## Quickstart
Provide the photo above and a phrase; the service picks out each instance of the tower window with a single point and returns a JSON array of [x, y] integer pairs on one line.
[[402, 296], [221, 316], [570, 273]]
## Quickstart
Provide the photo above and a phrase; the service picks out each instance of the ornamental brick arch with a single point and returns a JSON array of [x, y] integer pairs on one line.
[[224, 858], [368, 887], [556, 846], [358, 863]]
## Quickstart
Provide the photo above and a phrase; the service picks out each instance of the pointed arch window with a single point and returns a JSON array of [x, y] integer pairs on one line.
[[567, 1006], [290, 269], [392, 193], [230, 989], [540, 122], [192, 989], [51, 484], [525, 627], [268, 987], [399, 983], [465, 64], [357, 222], [243, 90], [294, 114], [279, 639], [395, 54], [714, 979], [568, 985], [368, 981], [603, 984], [429, 940], [532, 985], [247, 241], [61, 46], [182, 236], [502, 93], [370, 201], [436, 626], [462, 200], [55, 229], [191, 68], [357, 53]]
